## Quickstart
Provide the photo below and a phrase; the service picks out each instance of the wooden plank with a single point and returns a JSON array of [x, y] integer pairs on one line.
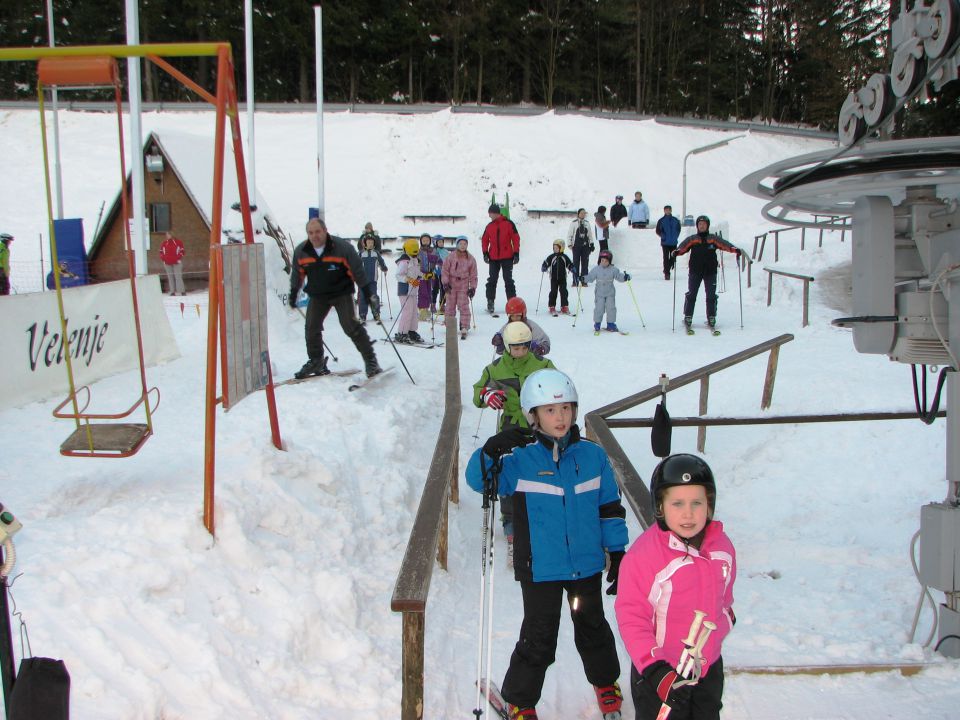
[[120, 439], [414, 629], [702, 429], [772, 361], [789, 273], [905, 669]]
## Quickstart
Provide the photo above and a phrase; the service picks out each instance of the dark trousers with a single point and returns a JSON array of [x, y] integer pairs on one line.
[[362, 300], [496, 266], [581, 262], [558, 285], [536, 649], [317, 310], [4, 283], [604, 243], [705, 697], [709, 281], [668, 262]]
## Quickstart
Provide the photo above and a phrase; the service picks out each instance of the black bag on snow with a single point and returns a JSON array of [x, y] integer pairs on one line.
[[41, 690]]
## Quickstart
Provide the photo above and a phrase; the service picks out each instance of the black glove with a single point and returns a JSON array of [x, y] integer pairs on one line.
[[374, 302], [486, 258], [661, 677], [504, 442], [292, 300], [626, 277], [516, 258], [543, 268], [471, 292], [613, 574]]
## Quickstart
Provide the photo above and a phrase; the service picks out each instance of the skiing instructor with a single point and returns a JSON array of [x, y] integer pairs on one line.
[[501, 251], [331, 267]]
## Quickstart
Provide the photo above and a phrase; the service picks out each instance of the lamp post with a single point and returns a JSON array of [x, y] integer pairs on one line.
[[697, 151]]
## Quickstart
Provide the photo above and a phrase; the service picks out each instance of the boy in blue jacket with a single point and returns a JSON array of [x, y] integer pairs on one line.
[[567, 518], [372, 260]]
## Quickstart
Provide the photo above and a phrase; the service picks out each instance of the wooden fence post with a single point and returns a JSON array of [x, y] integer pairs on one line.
[[411, 704], [702, 429], [771, 376]]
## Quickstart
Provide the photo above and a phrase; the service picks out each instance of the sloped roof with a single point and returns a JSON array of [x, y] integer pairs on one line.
[[190, 157]]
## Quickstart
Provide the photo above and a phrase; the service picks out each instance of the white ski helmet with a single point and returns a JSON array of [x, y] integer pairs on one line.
[[545, 387], [517, 333]]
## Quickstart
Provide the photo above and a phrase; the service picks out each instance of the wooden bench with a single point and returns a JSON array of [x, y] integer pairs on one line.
[[533, 212], [807, 279], [428, 217]]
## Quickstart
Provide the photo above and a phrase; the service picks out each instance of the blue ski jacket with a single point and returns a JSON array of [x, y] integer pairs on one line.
[[566, 512]]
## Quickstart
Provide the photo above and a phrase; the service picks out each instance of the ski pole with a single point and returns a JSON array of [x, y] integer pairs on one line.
[[673, 321], [723, 275], [390, 340], [485, 623], [740, 260], [540, 293], [689, 667], [335, 358], [406, 299], [473, 315], [389, 305], [635, 303], [579, 307]]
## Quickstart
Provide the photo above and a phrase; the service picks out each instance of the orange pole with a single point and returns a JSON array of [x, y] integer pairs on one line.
[[210, 411], [171, 70]]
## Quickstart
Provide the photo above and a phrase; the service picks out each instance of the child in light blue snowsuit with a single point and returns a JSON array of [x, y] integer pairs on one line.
[[605, 294]]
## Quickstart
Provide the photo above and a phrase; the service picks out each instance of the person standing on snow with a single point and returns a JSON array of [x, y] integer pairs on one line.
[[602, 229], [703, 269], [605, 294], [558, 264], [429, 261], [517, 312], [668, 230], [681, 565], [372, 260], [171, 253], [639, 214], [569, 520], [459, 285], [331, 268], [501, 251], [408, 284], [5, 240], [618, 211], [439, 295], [580, 240], [368, 231]]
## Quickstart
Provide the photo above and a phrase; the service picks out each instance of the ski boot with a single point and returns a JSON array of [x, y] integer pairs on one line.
[[311, 368], [610, 700], [565, 310], [463, 333], [596, 327], [712, 322], [612, 327], [414, 336], [553, 311], [401, 337], [666, 276], [517, 713], [371, 366], [490, 307]]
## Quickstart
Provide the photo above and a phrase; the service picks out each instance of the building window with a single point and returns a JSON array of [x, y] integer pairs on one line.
[[159, 217]]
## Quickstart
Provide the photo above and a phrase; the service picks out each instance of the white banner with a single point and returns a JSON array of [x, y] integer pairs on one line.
[[101, 332]]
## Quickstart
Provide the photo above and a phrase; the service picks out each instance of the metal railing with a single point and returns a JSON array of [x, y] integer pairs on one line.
[[428, 537]]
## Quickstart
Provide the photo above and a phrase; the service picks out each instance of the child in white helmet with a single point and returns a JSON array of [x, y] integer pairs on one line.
[[567, 519]]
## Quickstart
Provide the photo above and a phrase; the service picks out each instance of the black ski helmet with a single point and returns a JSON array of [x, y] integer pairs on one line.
[[705, 219], [681, 469]]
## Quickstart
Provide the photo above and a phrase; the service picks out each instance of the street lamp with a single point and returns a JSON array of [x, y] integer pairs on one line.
[[697, 151]]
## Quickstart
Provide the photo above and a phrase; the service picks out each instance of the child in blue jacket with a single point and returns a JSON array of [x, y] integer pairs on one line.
[[567, 519]]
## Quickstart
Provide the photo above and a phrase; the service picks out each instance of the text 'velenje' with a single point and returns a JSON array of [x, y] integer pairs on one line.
[[84, 343]]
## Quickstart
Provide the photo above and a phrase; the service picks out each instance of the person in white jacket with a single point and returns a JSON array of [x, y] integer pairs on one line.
[[639, 213], [580, 239]]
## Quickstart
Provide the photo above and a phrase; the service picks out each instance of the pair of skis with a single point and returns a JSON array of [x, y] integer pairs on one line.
[[499, 705], [713, 330], [602, 330]]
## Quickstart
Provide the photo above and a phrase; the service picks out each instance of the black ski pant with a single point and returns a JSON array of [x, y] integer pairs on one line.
[[496, 266], [705, 698], [709, 281], [581, 263], [317, 310], [536, 649], [558, 285], [668, 262], [605, 244]]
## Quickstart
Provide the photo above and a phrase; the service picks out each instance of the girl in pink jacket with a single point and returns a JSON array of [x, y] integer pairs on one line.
[[682, 566], [459, 283]]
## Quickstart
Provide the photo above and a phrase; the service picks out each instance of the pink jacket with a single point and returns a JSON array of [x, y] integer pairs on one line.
[[662, 582], [459, 272]]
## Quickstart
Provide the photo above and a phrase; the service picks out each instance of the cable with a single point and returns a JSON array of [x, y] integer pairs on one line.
[[925, 592], [933, 318], [945, 637], [928, 415]]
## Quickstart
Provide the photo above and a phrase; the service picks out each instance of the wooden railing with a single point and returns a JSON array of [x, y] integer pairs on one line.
[[428, 537], [599, 422]]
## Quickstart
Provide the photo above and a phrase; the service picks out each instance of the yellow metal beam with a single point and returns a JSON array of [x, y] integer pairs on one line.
[[161, 49]]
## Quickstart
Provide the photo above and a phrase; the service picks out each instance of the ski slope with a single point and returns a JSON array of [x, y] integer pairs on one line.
[[286, 614]]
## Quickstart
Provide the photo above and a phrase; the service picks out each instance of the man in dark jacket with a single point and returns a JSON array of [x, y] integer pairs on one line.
[[618, 212], [501, 251], [668, 230], [331, 267], [703, 268]]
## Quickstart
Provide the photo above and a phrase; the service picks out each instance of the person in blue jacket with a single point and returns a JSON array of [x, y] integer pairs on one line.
[[372, 261], [668, 230], [567, 519]]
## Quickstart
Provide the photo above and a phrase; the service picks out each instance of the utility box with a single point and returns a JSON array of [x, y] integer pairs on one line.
[[940, 546]]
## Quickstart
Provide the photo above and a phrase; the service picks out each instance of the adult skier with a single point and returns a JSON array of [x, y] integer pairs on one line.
[[580, 240], [500, 245], [668, 230], [703, 265]]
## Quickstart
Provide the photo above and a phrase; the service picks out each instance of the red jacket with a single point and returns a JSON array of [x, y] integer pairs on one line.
[[171, 251], [500, 241]]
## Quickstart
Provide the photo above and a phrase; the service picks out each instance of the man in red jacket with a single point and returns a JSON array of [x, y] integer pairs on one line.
[[501, 251], [171, 253]]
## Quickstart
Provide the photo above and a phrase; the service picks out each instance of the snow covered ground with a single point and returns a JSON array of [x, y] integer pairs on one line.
[[286, 614]]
